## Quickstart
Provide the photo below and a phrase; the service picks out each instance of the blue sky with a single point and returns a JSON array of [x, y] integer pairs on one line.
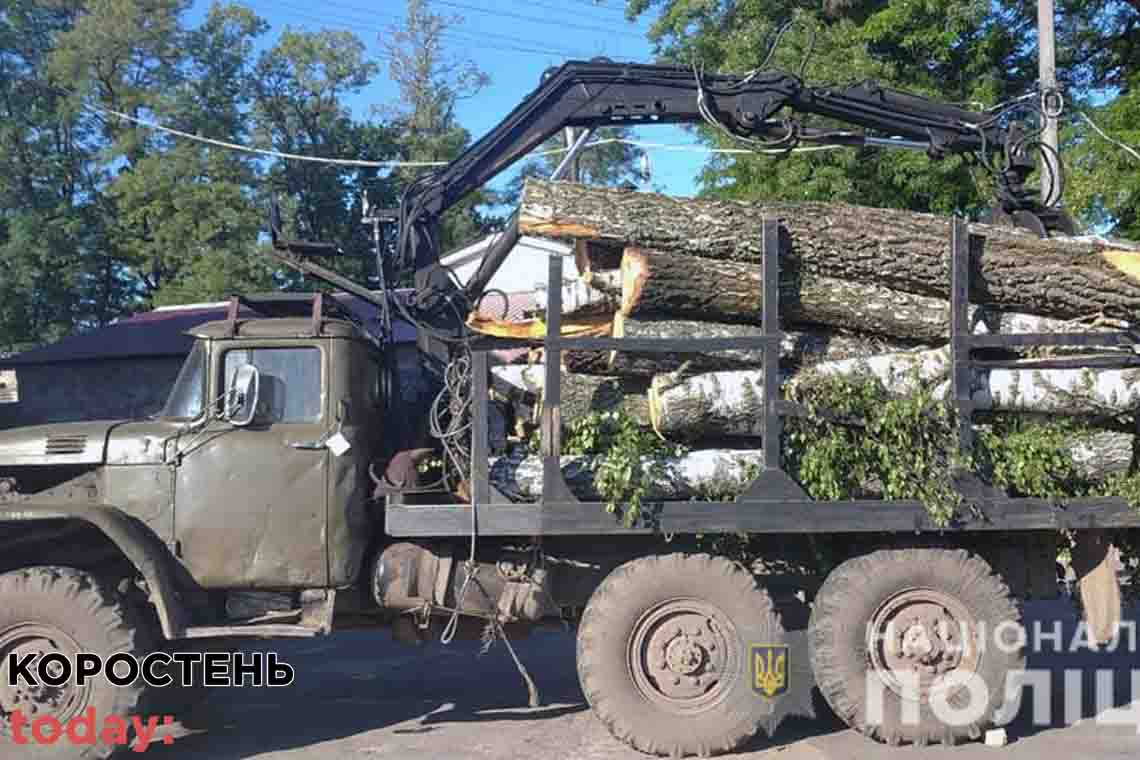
[[513, 41]]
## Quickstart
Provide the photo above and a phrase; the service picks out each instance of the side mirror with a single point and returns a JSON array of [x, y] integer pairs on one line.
[[240, 406]]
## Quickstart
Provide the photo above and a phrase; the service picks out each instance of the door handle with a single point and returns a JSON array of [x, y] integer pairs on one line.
[[317, 445]]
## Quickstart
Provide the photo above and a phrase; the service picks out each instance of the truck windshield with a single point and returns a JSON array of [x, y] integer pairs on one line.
[[186, 397]]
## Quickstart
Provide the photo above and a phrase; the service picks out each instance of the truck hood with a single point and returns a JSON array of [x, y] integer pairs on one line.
[[69, 443], [106, 442]]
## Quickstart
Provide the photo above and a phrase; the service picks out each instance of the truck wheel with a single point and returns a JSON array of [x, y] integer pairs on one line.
[[48, 610], [663, 654], [914, 646]]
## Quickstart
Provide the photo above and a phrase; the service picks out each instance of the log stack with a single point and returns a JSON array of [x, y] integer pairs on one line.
[[862, 290]]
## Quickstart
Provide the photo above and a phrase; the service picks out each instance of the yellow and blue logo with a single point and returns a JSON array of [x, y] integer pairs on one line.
[[770, 668]]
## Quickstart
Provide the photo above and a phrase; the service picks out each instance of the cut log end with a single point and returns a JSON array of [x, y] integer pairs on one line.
[[536, 225], [634, 271]]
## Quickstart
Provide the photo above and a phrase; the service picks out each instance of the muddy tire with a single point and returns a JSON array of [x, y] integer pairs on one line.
[[57, 609], [663, 654], [899, 623]]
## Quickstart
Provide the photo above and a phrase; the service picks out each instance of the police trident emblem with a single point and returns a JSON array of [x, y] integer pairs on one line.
[[769, 669]]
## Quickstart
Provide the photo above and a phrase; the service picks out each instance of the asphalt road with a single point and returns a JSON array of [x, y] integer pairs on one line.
[[361, 696]]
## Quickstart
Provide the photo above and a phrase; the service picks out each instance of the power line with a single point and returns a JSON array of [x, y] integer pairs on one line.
[[563, 8], [1123, 146], [478, 35], [423, 164], [356, 25], [537, 19], [259, 151], [591, 3], [692, 148]]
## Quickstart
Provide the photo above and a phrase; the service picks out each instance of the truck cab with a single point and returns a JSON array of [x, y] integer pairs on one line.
[[233, 485], [263, 502]]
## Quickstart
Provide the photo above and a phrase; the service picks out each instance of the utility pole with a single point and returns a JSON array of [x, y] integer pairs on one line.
[[1047, 76]]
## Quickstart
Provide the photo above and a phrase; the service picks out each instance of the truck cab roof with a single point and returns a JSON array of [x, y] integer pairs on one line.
[[278, 327]]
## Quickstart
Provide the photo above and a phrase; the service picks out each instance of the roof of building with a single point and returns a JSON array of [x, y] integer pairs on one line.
[[164, 331], [525, 267]]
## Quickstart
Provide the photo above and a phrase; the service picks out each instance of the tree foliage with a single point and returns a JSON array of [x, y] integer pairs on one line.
[[102, 215], [964, 51], [431, 83]]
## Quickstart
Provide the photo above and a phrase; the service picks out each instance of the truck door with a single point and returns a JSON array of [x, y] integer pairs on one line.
[[251, 502]]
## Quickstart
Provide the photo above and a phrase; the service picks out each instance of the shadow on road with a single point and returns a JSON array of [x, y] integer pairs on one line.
[[355, 683]]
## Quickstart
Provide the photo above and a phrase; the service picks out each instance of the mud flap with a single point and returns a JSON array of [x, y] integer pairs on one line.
[[1094, 561]]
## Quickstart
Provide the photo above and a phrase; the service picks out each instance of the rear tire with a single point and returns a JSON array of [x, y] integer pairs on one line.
[[893, 620], [663, 654], [59, 609]]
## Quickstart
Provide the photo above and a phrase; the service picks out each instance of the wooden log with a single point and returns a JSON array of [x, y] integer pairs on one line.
[[711, 473], [796, 347], [728, 403], [586, 362], [1102, 454], [1095, 393], [592, 256], [655, 283], [605, 280], [901, 372], [652, 363], [682, 285], [1063, 278], [579, 299], [710, 405], [581, 394]]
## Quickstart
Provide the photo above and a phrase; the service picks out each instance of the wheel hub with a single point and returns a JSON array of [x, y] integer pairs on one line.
[[61, 702], [919, 637], [680, 654], [684, 656]]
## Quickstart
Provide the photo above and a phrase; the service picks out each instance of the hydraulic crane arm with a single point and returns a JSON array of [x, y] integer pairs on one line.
[[603, 93]]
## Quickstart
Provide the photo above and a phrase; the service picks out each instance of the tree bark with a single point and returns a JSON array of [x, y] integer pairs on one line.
[[1103, 454], [1064, 278], [648, 364], [707, 474], [581, 394], [656, 283], [718, 404], [586, 362], [1094, 393], [1103, 393], [796, 348], [710, 405]]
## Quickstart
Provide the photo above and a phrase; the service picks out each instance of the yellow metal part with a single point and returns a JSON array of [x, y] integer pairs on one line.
[[576, 327]]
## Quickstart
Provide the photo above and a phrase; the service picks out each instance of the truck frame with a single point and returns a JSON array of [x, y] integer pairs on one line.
[[137, 537]]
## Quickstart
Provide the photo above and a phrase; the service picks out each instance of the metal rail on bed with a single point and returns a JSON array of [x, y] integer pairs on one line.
[[773, 502]]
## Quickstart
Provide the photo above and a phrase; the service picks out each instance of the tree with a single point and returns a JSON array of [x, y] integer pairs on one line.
[[299, 107], [952, 50], [431, 83], [1104, 179], [48, 207], [185, 208], [1099, 55]]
